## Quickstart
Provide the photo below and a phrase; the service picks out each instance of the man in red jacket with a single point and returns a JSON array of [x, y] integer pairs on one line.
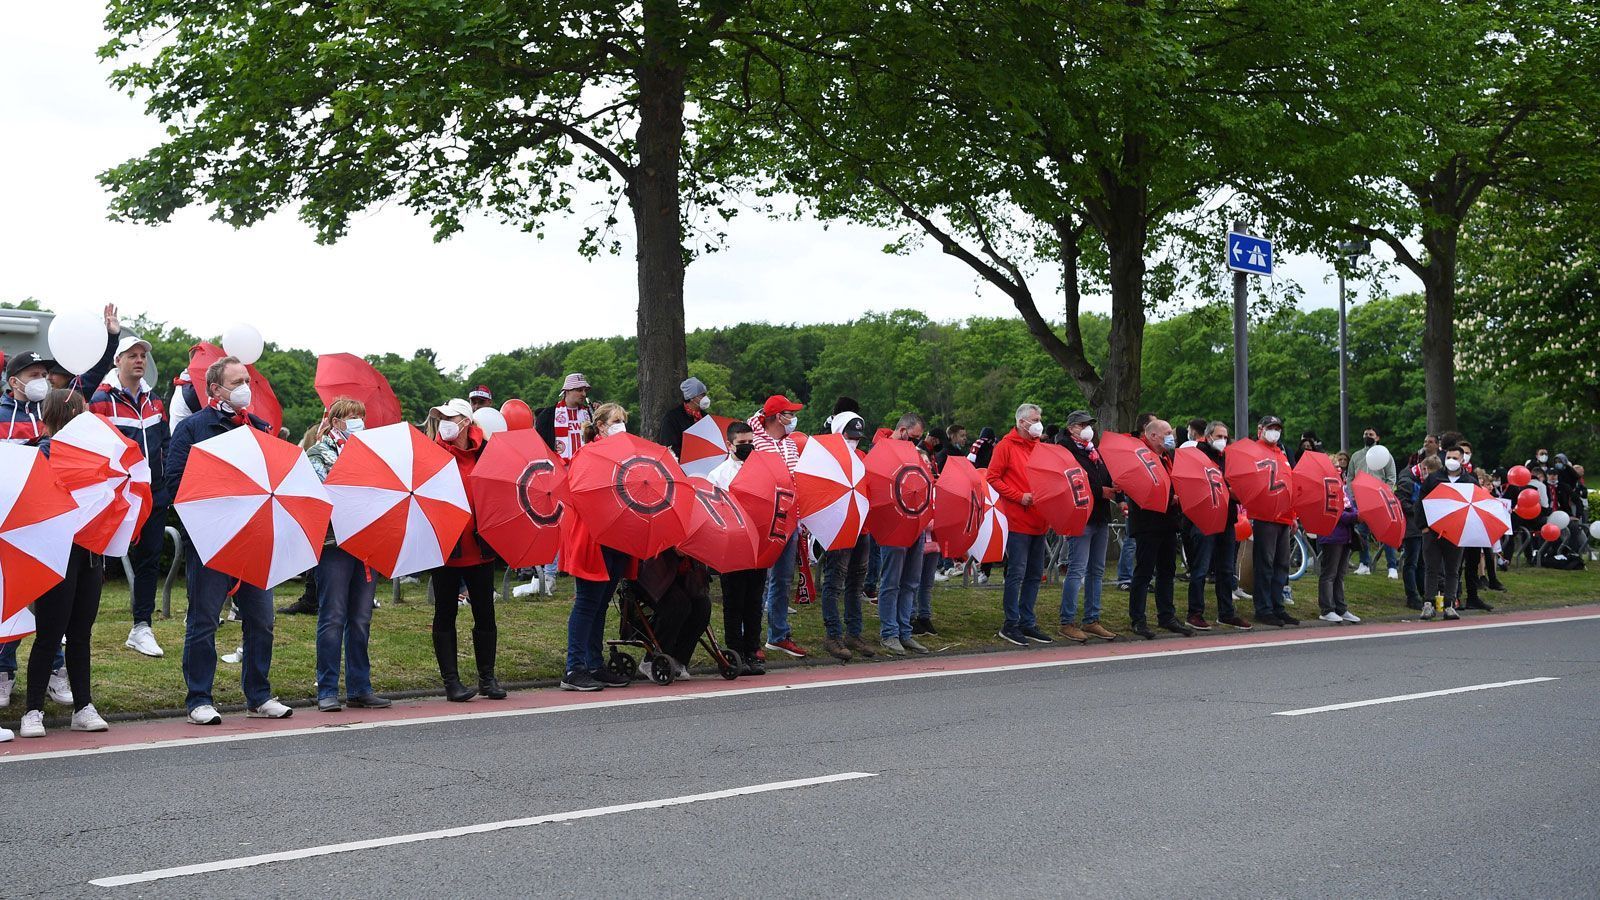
[[1025, 548], [1272, 538]]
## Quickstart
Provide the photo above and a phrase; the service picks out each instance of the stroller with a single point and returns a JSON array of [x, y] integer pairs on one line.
[[635, 599]]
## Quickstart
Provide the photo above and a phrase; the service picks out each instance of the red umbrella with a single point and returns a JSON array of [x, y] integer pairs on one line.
[[263, 402], [518, 416], [1377, 506], [348, 375], [631, 494], [899, 494], [1201, 490], [253, 507], [38, 519], [720, 534], [516, 489], [765, 490], [1136, 470], [1318, 492], [1061, 489], [1465, 514], [1259, 478], [398, 501], [958, 506]]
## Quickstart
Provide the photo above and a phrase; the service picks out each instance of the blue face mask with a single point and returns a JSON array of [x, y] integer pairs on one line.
[[1169, 442]]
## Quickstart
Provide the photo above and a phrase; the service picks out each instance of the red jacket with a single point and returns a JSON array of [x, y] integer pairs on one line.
[[469, 549], [1008, 474]]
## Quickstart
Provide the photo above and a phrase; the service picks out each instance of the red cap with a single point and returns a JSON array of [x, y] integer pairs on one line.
[[481, 391], [778, 403]]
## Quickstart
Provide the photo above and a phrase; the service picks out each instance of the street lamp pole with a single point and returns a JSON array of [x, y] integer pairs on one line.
[[1351, 251]]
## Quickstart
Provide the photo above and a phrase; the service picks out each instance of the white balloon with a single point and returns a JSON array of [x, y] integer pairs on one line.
[[490, 420], [1560, 520], [77, 340], [1378, 457], [243, 341], [1594, 530]]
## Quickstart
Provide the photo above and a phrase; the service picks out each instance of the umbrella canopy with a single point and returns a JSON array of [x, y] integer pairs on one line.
[[1136, 470], [1318, 492], [1465, 514], [958, 506], [516, 489], [720, 534], [398, 502], [899, 494], [17, 627], [1061, 489], [765, 491], [108, 477], [990, 544], [704, 447], [1377, 506], [38, 519], [632, 494], [263, 402], [253, 507], [348, 375], [832, 502], [1259, 478], [1201, 490]]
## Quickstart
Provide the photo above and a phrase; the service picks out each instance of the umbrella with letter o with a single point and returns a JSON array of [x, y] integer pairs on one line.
[[830, 481], [631, 494], [516, 489], [1465, 514], [1379, 508], [899, 494], [958, 500], [1260, 479], [253, 507], [1202, 491], [1136, 470], [720, 534], [990, 544], [1061, 489], [108, 476], [348, 375], [38, 519], [1318, 492], [765, 490], [399, 504]]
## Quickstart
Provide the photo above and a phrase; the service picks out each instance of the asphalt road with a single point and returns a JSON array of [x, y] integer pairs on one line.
[[1136, 778]]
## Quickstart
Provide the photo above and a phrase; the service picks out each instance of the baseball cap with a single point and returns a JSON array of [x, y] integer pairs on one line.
[[1270, 420], [848, 424], [25, 359], [778, 403], [130, 341], [1080, 417], [455, 406], [481, 391]]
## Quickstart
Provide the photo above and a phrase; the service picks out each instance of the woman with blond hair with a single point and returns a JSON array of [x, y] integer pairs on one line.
[[596, 570]]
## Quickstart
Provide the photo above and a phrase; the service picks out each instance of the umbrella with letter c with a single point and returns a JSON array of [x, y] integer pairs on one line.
[[631, 494], [399, 504], [1201, 490], [516, 489], [899, 494]]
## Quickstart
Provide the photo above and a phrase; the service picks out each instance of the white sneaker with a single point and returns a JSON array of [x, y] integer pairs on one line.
[[1427, 610], [87, 719], [1241, 595], [940, 576], [32, 723], [235, 657], [680, 672], [1288, 598], [1363, 570], [204, 715], [646, 670], [982, 578], [1331, 617], [5, 735], [143, 640], [271, 709], [1394, 574], [526, 590], [1351, 617], [7, 682], [60, 691]]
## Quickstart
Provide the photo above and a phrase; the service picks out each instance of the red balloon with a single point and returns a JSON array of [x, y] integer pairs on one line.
[[1519, 476], [1242, 530], [518, 415], [1523, 511], [1550, 532]]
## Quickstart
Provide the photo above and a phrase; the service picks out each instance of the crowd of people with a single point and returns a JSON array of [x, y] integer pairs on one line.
[[674, 590]]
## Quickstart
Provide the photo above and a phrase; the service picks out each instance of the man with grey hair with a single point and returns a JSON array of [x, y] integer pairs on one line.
[[1213, 555], [1156, 556], [1025, 547]]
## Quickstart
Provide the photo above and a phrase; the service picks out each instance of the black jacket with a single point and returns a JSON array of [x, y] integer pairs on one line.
[[1099, 477], [674, 423], [1433, 481]]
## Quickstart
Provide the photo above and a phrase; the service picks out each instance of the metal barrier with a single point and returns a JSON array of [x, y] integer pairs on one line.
[[172, 573]]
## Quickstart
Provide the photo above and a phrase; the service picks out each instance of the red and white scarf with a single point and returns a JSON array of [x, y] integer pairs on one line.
[[569, 429]]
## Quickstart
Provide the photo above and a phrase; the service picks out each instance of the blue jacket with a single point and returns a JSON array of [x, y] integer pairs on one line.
[[207, 423], [140, 417]]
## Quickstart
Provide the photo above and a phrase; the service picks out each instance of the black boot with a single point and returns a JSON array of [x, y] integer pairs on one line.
[[484, 641], [444, 650]]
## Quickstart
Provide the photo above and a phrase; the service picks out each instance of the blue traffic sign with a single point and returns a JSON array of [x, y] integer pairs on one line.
[[1249, 254]]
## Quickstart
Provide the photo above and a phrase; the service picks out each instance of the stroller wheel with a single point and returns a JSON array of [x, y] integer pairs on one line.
[[662, 669], [731, 662], [622, 664]]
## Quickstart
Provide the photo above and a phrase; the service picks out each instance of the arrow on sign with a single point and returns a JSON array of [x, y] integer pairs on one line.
[[1236, 250]]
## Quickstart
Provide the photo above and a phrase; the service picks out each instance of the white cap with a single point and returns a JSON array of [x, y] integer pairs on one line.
[[130, 341], [454, 407]]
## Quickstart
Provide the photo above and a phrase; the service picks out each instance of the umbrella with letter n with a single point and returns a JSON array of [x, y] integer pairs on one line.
[[38, 519], [108, 477], [830, 481], [958, 504], [348, 375], [1201, 490], [253, 507], [399, 504], [631, 494], [1465, 514]]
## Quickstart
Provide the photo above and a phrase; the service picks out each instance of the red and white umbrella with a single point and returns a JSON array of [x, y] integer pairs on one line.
[[1465, 514], [253, 507], [17, 627], [832, 502], [108, 477], [37, 521], [990, 545], [399, 504], [704, 447]]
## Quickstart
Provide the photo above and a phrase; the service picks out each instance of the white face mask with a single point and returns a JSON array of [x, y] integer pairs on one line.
[[1466, 458], [1544, 457], [616, 428], [1221, 444], [851, 444], [1272, 435], [352, 426], [1454, 465], [1087, 434], [705, 402], [239, 397], [1035, 429], [36, 390], [448, 430], [789, 426]]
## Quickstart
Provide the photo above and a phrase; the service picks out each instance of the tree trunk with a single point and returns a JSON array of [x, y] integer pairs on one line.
[[653, 195], [1121, 215], [1438, 329]]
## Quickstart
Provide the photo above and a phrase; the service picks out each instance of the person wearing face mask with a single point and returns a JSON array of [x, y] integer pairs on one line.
[[1540, 457], [27, 383], [1214, 553], [844, 571], [742, 590], [1086, 553], [1443, 557], [470, 565], [1156, 554], [1270, 558], [596, 569], [1374, 459], [772, 428], [900, 570], [227, 385], [1025, 546], [678, 419]]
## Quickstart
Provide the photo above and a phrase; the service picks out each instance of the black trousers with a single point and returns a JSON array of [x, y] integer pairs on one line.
[[1471, 557], [743, 595], [1155, 556], [678, 619], [1444, 569], [68, 609], [445, 585]]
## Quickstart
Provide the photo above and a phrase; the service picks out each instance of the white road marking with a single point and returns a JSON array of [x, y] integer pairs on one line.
[[245, 862], [1396, 699], [1420, 630]]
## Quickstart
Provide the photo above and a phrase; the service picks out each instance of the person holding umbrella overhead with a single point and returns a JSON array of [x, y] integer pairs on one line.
[[227, 385], [470, 566], [597, 569]]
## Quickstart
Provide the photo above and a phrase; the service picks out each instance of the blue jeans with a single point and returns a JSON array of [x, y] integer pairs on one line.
[[208, 590], [1363, 540], [1024, 567], [872, 560], [1213, 554], [586, 626], [844, 572], [345, 591], [900, 575], [1125, 561], [930, 565], [1086, 569], [780, 580], [8, 657], [1413, 571]]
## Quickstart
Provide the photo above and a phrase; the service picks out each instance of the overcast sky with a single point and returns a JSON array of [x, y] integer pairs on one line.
[[387, 286]]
